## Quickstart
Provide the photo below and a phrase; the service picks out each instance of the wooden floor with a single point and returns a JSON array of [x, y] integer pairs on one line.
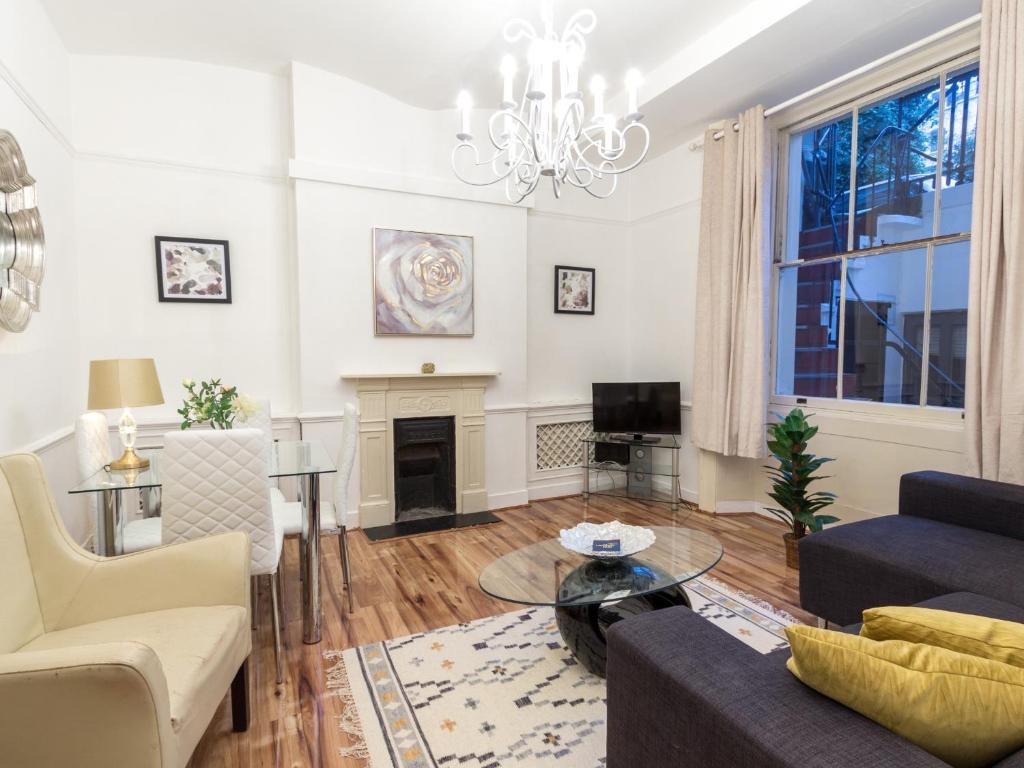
[[414, 584]]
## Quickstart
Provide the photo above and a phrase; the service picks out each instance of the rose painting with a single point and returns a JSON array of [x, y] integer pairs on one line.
[[191, 269], [423, 283], [574, 290]]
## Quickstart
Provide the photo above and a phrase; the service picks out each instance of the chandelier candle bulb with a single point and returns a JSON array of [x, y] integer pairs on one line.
[[571, 71], [546, 131], [508, 74], [465, 104], [633, 81], [597, 86]]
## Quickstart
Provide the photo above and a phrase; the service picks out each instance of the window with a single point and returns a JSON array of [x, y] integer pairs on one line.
[[872, 274]]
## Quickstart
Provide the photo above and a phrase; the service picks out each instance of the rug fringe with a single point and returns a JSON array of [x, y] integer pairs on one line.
[[338, 685], [783, 616]]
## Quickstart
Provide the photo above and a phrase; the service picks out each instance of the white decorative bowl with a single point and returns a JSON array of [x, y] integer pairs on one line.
[[581, 538]]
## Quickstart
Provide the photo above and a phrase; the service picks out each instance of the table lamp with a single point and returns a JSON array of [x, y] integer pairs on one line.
[[124, 384]]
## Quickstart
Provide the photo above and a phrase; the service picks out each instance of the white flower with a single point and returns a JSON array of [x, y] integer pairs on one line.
[[244, 407], [187, 382]]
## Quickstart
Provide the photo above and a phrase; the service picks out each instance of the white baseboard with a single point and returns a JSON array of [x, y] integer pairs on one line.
[[508, 499], [551, 490]]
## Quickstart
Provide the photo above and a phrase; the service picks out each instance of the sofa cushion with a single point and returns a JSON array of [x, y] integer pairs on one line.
[[200, 650], [966, 710], [961, 632], [904, 560]]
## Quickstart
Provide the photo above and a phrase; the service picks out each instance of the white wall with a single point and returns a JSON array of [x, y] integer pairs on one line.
[[568, 352], [665, 211], [187, 150], [40, 366], [336, 126]]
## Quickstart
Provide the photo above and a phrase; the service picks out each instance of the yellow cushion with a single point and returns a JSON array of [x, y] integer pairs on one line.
[[976, 635], [965, 710]]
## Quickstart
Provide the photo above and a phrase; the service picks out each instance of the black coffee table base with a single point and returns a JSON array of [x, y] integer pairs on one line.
[[584, 629]]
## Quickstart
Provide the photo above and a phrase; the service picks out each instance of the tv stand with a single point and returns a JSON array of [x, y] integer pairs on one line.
[[636, 439], [641, 477]]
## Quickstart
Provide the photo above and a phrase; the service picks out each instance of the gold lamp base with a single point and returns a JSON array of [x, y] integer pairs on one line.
[[129, 460]]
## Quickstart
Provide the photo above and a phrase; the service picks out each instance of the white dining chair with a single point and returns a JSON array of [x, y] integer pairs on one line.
[[263, 420], [216, 481], [333, 515], [92, 446]]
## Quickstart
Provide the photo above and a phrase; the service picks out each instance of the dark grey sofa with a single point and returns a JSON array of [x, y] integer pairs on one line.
[[684, 694], [952, 534]]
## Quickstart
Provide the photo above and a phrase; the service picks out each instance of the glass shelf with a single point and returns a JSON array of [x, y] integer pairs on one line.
[[613, 467], [670, 442]]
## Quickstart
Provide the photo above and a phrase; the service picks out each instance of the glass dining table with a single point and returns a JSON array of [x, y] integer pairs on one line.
[[305, 460]]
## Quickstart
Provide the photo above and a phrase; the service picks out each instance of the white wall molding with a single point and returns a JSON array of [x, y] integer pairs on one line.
[[306, 170], [50, 441], [36, 109], [277, 176], [558, 215], [662, 213]]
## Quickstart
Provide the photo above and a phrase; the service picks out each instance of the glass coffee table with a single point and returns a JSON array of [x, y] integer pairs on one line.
[[591, 594]]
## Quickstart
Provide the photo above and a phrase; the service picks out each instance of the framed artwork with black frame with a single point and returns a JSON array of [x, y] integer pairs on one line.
[[575, 290], [193, 269]]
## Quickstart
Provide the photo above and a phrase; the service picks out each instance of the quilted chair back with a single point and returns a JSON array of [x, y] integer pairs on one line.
[[92, 444], [261, 419], [216, 481], [346, 459]]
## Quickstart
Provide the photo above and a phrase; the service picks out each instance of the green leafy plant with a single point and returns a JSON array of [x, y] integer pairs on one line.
[[209, 402], [798, 507]]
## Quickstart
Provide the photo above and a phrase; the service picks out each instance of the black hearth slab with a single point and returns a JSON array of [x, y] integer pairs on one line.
[[429, 525]]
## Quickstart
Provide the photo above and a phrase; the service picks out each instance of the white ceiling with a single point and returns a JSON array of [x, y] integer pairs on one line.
[[419, 51], [705, 59]]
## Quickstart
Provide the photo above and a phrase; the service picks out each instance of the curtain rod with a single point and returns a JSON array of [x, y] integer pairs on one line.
[[905, 51]]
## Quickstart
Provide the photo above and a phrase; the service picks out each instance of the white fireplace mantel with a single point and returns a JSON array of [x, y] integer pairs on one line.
[[438, 375], [384, 397]]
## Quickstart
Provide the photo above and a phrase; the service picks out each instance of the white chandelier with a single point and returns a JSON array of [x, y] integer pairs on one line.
[[541, 136]]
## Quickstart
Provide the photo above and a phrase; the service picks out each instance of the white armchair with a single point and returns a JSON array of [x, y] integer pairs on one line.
[[112, 661]]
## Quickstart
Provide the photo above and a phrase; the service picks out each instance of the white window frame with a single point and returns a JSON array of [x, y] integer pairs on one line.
[[931, 64]]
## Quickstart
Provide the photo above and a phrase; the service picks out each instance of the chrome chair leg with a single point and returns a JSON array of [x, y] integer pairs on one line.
[[277, 625], [254, 597], [279, 576], [343, 551]]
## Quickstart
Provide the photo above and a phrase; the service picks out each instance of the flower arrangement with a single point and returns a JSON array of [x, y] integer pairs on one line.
[[210, 402]]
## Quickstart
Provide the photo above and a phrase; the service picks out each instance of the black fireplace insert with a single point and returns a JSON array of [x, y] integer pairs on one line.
[[424, 468]]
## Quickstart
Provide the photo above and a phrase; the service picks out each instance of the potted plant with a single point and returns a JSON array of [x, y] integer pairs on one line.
[[798, 507], [210, 402]]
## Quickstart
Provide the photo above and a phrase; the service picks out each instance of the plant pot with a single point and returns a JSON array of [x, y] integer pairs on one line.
[[792, 550]]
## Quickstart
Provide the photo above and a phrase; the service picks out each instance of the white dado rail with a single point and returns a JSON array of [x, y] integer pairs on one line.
[[384, 397]]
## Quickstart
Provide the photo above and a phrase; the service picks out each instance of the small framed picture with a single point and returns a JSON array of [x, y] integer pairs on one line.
[[193, 269], [574, 290]]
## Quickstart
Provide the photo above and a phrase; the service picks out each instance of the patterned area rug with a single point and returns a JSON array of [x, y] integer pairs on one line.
[[500, 691]]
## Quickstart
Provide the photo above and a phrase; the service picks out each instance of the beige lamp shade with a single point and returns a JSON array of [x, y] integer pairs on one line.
[[123, 384]]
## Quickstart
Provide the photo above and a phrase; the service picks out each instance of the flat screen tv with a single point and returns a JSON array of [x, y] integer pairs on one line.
[[638, 408]]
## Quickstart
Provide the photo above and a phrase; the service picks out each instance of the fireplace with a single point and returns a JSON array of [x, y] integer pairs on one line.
[[424, 467]]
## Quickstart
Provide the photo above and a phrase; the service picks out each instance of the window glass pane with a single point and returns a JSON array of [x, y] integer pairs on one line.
[[807, 338], [948, 349], [897, 147], [884, 316], [961, 127], [819, 190]]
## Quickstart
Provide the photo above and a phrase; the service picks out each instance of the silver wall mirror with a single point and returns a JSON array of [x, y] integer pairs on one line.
[[21, 239]]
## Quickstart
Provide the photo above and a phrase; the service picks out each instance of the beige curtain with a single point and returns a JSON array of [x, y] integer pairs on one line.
[[730, 371], [995, 324]]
